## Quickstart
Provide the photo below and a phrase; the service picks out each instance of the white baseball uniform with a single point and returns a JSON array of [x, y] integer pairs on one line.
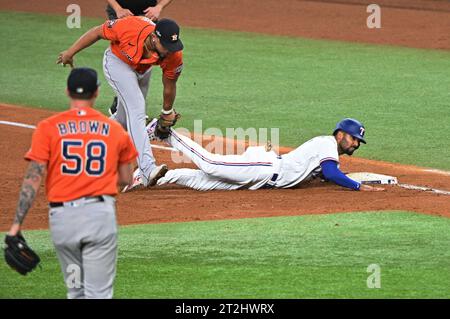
[[254, 169]]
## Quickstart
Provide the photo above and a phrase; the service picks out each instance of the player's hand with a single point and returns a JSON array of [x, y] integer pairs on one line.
[[368, 188], [153, 13], [14, 230], [122, 13], [65, 58]]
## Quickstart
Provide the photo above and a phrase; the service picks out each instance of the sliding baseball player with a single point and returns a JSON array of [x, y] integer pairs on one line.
[[257, 168]]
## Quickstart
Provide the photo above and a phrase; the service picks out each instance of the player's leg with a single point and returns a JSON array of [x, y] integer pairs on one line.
[[196, 179], [243, 169], [144, 85], [120, 115], [100, 249], [144, 82], [63, 228], [132, 106]]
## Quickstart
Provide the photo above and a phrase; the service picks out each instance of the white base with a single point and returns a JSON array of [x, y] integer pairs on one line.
[[372, 178]]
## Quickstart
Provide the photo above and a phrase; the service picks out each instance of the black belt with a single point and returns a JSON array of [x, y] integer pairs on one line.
[[269, 185], [273, 179], [60, 204]]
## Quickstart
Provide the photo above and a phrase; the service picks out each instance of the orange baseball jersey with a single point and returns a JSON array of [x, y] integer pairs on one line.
[[83, 150], [127, 36]]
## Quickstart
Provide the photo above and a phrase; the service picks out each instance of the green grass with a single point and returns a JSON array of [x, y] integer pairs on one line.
[[246, 80], [317, 256]]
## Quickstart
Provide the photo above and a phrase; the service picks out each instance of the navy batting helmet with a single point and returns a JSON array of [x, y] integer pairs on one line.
[[352, 127]]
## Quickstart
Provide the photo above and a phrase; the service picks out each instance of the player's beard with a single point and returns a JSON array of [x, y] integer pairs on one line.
[[348, 150]]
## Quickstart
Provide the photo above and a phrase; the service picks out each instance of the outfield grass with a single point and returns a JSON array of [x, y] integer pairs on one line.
[[246, 80], [317, 256]]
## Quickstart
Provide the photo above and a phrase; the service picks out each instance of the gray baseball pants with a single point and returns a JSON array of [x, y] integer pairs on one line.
[[131, 89], [85, 238]]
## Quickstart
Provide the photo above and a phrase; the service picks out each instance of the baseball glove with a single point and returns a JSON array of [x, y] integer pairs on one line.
[[19, 256], [165, 122]]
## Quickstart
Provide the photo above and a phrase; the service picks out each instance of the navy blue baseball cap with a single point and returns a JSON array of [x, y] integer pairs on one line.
[[168, 33], [353, 127], [82, 82]]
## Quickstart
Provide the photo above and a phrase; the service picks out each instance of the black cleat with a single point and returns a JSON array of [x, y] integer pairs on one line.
[[113, 107]]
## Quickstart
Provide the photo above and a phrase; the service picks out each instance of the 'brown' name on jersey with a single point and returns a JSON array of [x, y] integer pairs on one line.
[[83, 127]]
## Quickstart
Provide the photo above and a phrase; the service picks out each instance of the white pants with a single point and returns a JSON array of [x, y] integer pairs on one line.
[[131, 89], [252, 170]]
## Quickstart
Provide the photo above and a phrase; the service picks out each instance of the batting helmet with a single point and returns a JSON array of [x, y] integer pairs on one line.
[[352, 127]]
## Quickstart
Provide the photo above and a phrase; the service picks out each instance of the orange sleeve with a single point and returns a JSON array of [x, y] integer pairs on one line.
[[128, 152], [173, 66], [110, 30], [40, 144]]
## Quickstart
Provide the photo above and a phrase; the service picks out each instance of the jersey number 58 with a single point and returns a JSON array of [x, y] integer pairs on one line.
[[78, 157]]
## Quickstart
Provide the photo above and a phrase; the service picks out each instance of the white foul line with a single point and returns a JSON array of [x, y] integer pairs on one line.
[[17, 124], [426, 189], [437, 171], [33, 127]]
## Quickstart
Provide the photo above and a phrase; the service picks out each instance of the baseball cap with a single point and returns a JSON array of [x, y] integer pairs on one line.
[[82, 82], [168, 33], [353, 127]]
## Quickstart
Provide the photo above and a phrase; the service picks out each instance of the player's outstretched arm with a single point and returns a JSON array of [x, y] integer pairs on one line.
[[86, 40], [332, 173], [169, 92], [28, 191], [368, 188]]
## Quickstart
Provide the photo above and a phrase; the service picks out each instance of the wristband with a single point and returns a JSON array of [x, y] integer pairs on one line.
[[167, 112]]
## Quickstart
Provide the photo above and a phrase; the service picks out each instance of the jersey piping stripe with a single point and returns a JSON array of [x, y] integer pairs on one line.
[[139, 36], [220, 163], [119, 93]]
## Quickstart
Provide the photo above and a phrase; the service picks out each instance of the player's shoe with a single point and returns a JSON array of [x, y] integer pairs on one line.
[[152, 132], [137, 182], [166, 179], [113, 108], [155, 175]]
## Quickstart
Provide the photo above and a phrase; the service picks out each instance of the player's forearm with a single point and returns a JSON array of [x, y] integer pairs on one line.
[[114, 4], [332, 173], [86, 40], [28, 191], [125, 174], [169, 93]]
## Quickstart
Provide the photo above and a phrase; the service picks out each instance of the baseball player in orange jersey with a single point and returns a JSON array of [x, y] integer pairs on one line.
[[117, 9], [137, 44], [85, 155]]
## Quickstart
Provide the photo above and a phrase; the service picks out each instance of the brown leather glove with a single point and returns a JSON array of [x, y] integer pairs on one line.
[[165, 122]]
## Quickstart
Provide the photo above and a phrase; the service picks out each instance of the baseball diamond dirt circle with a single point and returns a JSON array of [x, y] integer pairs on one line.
[[140, 207], [417, 23]]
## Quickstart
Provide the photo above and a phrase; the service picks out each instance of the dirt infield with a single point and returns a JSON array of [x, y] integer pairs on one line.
[[416, 23], [412, 23], [172, 203]]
